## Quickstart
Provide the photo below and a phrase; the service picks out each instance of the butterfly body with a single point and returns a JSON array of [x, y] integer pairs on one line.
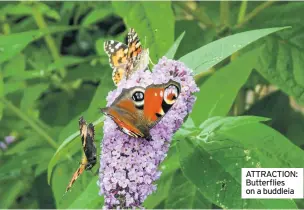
[[136, 110], [87, 137], [126, 59], [88, 160]]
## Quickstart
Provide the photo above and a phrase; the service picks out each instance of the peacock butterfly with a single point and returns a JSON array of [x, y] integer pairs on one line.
[[136, 110]]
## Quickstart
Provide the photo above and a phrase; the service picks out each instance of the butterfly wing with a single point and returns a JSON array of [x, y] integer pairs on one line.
[[77, 173], [125, 113], [88, 160], [137, 109], [125, 123], [117, 53], [83, 131], [90, 148], [134, 53], [118, 74], [134, 45], [158, 101], [87, 134]]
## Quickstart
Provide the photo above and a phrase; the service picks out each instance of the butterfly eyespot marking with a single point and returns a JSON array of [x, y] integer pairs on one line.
[[170, 94], [138, 97]]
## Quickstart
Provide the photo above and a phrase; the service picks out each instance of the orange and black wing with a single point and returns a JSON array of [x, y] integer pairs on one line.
[[117, 53], [77, 173], [134, 52], [138, 109]]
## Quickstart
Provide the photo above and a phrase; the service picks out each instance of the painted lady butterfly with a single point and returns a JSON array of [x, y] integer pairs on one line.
[[126, 59]]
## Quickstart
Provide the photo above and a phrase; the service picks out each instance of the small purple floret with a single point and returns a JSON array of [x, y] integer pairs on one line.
[[9, 139], [3, 146], [129, 166]]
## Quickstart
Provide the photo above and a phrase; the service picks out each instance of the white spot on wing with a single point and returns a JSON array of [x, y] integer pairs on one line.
[[134, 37], [118, 46], [161, 93]]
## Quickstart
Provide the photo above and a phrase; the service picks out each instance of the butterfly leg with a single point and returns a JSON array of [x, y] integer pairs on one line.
[[149, 138]]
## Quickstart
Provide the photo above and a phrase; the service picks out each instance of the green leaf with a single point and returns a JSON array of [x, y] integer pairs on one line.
[[25, 144], [171, 52], [207, 56], [282, 59], [31, 94], [41, 167], [60, 180], [96, 15], [12, 86], [67, 61], [184, 195], [27, 159], [221, 97], [274, 145], [281, 63], [12, 44], [11, 194], [27, 9], [149, 21], [284, 119], [91, 73], [15, 66], [226, 123], [64, 62], [212, 160], [89, 198], [1, 94], [195, 35]]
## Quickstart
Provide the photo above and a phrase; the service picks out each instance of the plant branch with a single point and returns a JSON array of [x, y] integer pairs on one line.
[[224, 13], [48, 38], [242, 11], [200, 16], [35, 127], [255, 12], [6, 27]]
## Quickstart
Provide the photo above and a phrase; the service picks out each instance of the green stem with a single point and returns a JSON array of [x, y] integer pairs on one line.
[[197, 15], [48, 38], [35, 127], [242, 11], [241, 17], [6, 27], [225, 13], [255, 12]]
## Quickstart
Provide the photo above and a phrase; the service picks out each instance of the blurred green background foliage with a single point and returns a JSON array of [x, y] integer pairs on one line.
[[53, 69]]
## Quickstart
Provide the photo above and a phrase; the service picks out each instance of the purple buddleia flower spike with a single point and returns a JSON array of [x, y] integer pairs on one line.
[[129, 166]]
